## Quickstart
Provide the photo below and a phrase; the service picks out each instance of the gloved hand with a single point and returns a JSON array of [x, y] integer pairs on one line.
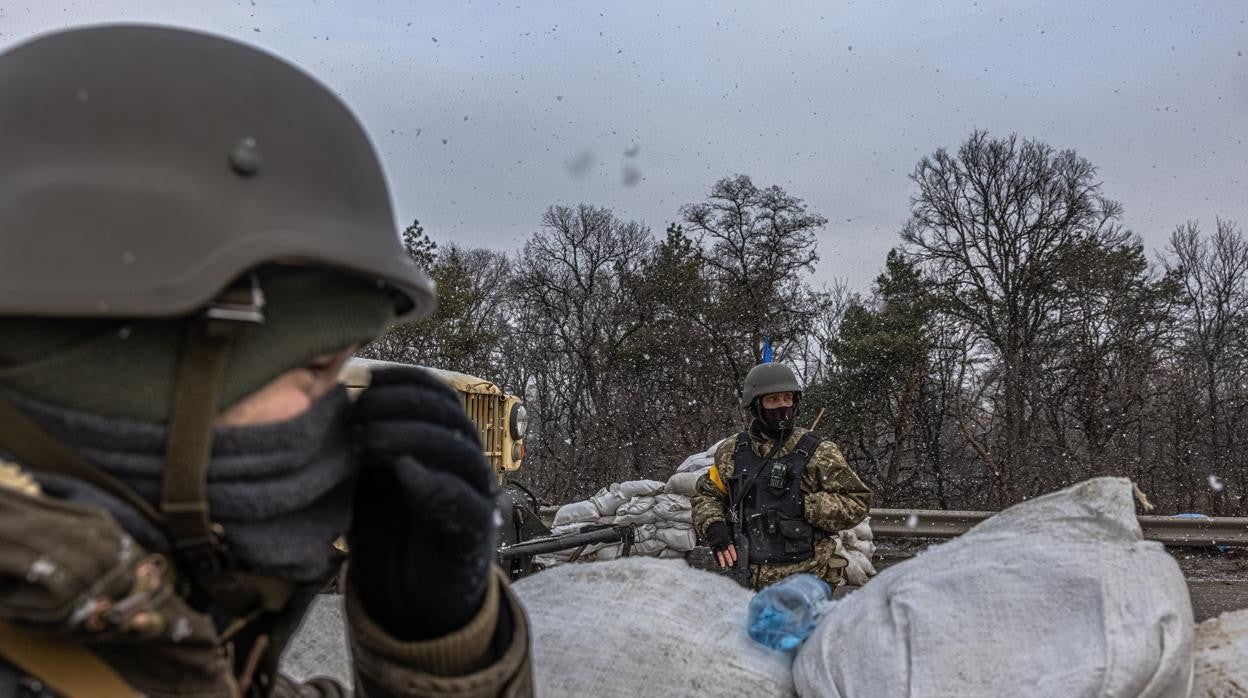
[[423, 535], [719, 537]]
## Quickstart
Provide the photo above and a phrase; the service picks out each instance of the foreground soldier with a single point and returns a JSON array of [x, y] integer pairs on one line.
[[193, 237], [785, 490]]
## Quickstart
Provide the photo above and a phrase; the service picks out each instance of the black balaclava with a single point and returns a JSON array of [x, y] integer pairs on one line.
[[776, 423]]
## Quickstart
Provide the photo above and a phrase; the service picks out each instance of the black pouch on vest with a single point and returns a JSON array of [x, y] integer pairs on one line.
[[798, 536]]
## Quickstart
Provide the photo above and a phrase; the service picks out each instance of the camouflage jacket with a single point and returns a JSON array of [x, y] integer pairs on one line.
[[67, 571], [835, 500]]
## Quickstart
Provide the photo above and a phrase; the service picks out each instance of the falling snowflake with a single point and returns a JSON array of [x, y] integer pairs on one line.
[[912, 521], [1215, 483]]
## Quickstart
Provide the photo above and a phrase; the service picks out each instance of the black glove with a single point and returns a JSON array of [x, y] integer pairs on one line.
[[423, 535], [718, 536]]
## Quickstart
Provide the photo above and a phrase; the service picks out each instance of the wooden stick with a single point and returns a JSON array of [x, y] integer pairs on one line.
[[817, 418]]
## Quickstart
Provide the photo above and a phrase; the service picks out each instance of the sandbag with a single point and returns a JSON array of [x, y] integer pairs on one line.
[[684, 484], [608, 500], [865, 547], [863, 530], [646, 517], [1221, 657], [651, 547], [674, 508], [683, 539], [610, 552], [1057, 596], [858, 568], [644, 532], [849, 541], [640, 488], [638, 510], [641, 625], [576, 512], [699, 461], [636, 505], [680, 518]]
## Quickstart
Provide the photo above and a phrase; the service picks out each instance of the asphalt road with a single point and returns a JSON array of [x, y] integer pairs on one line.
[[1211, 599]]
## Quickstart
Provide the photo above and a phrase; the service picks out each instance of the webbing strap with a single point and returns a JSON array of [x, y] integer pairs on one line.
[[71, 671], [196, 391], [807, 445], [34, 448], [183, 497]]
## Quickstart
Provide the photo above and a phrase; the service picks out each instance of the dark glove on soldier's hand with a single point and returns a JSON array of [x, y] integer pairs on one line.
[[423, 535], [718, 536]]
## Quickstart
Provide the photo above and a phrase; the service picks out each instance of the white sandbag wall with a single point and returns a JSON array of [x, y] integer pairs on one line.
[[662, 520], [662, 523]]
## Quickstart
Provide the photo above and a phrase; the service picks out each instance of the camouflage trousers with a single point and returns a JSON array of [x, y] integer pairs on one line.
[[825, 564]]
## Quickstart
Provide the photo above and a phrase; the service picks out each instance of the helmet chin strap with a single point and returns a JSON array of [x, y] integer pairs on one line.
[[201, 371], [199, 545]]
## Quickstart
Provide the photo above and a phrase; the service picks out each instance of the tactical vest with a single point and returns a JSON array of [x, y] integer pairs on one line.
[[773, 518]]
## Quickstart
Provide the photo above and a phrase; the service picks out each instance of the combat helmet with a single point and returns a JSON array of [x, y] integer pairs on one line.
[[147, 171], [145, 168], [768, 378]]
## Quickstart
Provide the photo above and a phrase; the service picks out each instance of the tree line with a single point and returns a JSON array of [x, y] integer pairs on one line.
[[1018, 338]]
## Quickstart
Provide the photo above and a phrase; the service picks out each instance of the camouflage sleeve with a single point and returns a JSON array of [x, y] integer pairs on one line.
[[709, 503], [835, 498]]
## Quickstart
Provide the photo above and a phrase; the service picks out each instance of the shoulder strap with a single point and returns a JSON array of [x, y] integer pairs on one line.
[[743, 440], [69, 670], [807, 444]]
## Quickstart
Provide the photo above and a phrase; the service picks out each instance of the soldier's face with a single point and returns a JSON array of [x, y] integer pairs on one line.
[[289, 395], [773, 401]]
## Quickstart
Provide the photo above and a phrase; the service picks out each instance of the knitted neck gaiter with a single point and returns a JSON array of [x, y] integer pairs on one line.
[[281, 491]]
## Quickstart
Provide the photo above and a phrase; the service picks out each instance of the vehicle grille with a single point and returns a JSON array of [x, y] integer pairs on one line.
[[487, 412]]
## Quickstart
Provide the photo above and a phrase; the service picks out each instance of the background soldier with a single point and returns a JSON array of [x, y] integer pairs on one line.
[[195, 236], [780, 492]]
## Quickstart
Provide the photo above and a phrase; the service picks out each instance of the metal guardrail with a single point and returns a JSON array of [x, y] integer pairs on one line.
[[932, 523], [1170, 530]]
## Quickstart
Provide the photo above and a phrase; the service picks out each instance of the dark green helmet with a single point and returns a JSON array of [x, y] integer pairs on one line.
[[765, 379], [146, 168]]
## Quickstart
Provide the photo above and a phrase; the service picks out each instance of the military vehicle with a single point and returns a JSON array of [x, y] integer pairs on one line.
[[501, 417]]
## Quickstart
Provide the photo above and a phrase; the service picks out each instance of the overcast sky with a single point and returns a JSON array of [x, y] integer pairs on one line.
[[485, 113]]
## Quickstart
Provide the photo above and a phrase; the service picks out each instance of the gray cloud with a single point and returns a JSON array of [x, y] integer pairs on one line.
[[835, 102]]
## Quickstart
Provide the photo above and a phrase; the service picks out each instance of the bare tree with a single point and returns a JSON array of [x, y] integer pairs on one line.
[[1213, 273], [997, 224], [756, 244], [578, 320]]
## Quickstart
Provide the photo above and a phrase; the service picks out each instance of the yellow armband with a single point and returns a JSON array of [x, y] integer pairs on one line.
[[717, 480]]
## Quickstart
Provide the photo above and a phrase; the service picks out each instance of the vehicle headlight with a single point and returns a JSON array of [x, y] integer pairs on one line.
[[519, 421]]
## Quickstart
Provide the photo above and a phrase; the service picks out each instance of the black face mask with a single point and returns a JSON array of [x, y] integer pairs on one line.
[[775, 422]]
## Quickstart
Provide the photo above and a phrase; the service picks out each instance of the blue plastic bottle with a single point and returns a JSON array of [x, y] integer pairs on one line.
[[783, 614]]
